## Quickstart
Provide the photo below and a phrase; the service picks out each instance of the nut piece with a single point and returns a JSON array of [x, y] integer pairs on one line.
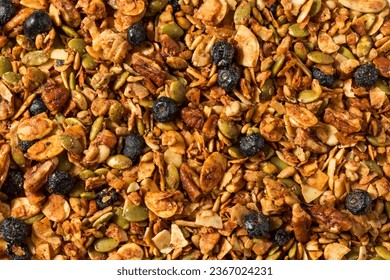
[[212, 12], [335, 251], [248, 48], [37, 176], [343, 120], [369, 6], [208, 218], [330, 219], [56, 208], [190, 182], [35, 127], [148, 68], [300, 116], [301, 222], [212, 171], [162, 203], [193, 117], [55, 98]]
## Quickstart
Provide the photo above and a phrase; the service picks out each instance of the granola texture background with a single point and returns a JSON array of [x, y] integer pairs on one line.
[[188, 194]]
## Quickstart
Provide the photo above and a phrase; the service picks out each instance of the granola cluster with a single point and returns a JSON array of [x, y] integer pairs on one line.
[[71, 96]]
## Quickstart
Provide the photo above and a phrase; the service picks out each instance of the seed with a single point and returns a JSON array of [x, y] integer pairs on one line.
[[77, 189], [35, 58], [101, 171], [119, 162], [115, 112], [242, 13], [121, 80], [177, 63], [177, 92], [296, 31], [95, 255], [157, 5], [88, 195], [374, 141], [71, 144], [105, 244], [72, 81], [183, 23], [79, 99], [279, 62], [383, 252], [363, 46], [69, 31], [5, 65], [267, 90], [315, 8], [96, 128], [228, 128], [103, 219], [119, 220], [373, 166], [84, 175], [11, 77], [280, 164], [320, 58], [18, 157], [307, 96], [78, 45], [300, 50], [172, 178], [88, 62], [34, 218], [346, 52], [172, 30], [274, 256], [136, 213]]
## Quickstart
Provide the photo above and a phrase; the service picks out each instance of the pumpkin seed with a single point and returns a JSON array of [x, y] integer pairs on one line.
[[374, 141], [387, 208], [78, 45], [5, 65], [121, 80], [373, 166], [307, 96], [119, 220], [11, 77], [381, 85], [293, 186], [73, 121], [95, 255], [157, 5], [315, 8], [34, 218], [279, 62], [177, 63], [25, 42], [88, 195], [136, 213], [172, 30], [242, 13], [292, 252], [69, 31], [280, 164], [172, 178], [383, 252], [352, 255], [296, 31], [346, 52], [267, 90], [88, 62], [71, 144], [101, 171], [85, 174], [103, 219], [115, 112], [320, 57], [18, 156], [105, 244], [228, 128], [300, 50], [363, 46], [63, 162], [78, 189], [35, 58], [177, 92], [79, 99], [234, 152], [119, 162], [96, 127]]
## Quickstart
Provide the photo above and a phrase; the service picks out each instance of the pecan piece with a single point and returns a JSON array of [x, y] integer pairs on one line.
[[301, 222], [37, 176], [187, 178], [209, 129], [343, 120], [330, 219], [383, 65], [148, 68], [193, 117], [55, 98]]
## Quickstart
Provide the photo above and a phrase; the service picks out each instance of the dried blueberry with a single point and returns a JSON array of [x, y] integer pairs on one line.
[[25, 145], [13, 230], [175, 5], [133, 146], [324, 79], [358, 202], [228, 78], [222, 54], [251, 144], [281, 237], [366, 75], [38, 107], [14, 183], [165, 109], [7, 11], [106, 198], [60, 182], [38, 22], [136, 34], [18, 251], [256, 224]]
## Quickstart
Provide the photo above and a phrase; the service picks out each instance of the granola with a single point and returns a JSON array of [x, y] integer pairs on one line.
[[185, 193]]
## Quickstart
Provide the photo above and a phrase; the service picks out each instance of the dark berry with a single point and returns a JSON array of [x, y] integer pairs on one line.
[[14, 183], [273, 8], [106, 198], [37, 107], [324, 79], [251, 144], [60, 182], [7, 11], [366, 75], [256, 224], [136, 34], [165, 109], [281, 237], [133, 146], [13, 230], [18, 251], [25, 145], [38, 22], [222, 54], [175, 5], [228, 78], [358, 202]]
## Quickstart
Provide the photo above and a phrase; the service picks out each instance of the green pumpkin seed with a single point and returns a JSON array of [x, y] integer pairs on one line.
[[78, 189], [315, 8], [97, 126], [72, 81], [234, 152], [35, 58], [95, 255], [364, 46], [140, 126], [292, 252], [177, 63], [268, 151], [346, 52], [374, 141], [5, 65], [119, 220], [274, 256], [279, 163], [146, 103], [172, 178], [293, 186], [69, 31], [73, 121], [267, 90], [136, 213], [273, 250], [85, 174], [115, 112], [63, 162], [121, 80], [88, 195], [228, 128], [79, 99], [106, 244], [34, 218], [172, 30], [157, 5], [88, 62], [307, 96], [78, 45], [374, 167], [377, 258], [387, 208], [25, 42], [103, 219], [11, 77], [352, 255], [242, 13], [300, 50], [320, 57], [101, 171], [383, 252], [296, 31], [18, 156], [119, 162], [379, 83], [279, 62], [177, 92], [71, 144]]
